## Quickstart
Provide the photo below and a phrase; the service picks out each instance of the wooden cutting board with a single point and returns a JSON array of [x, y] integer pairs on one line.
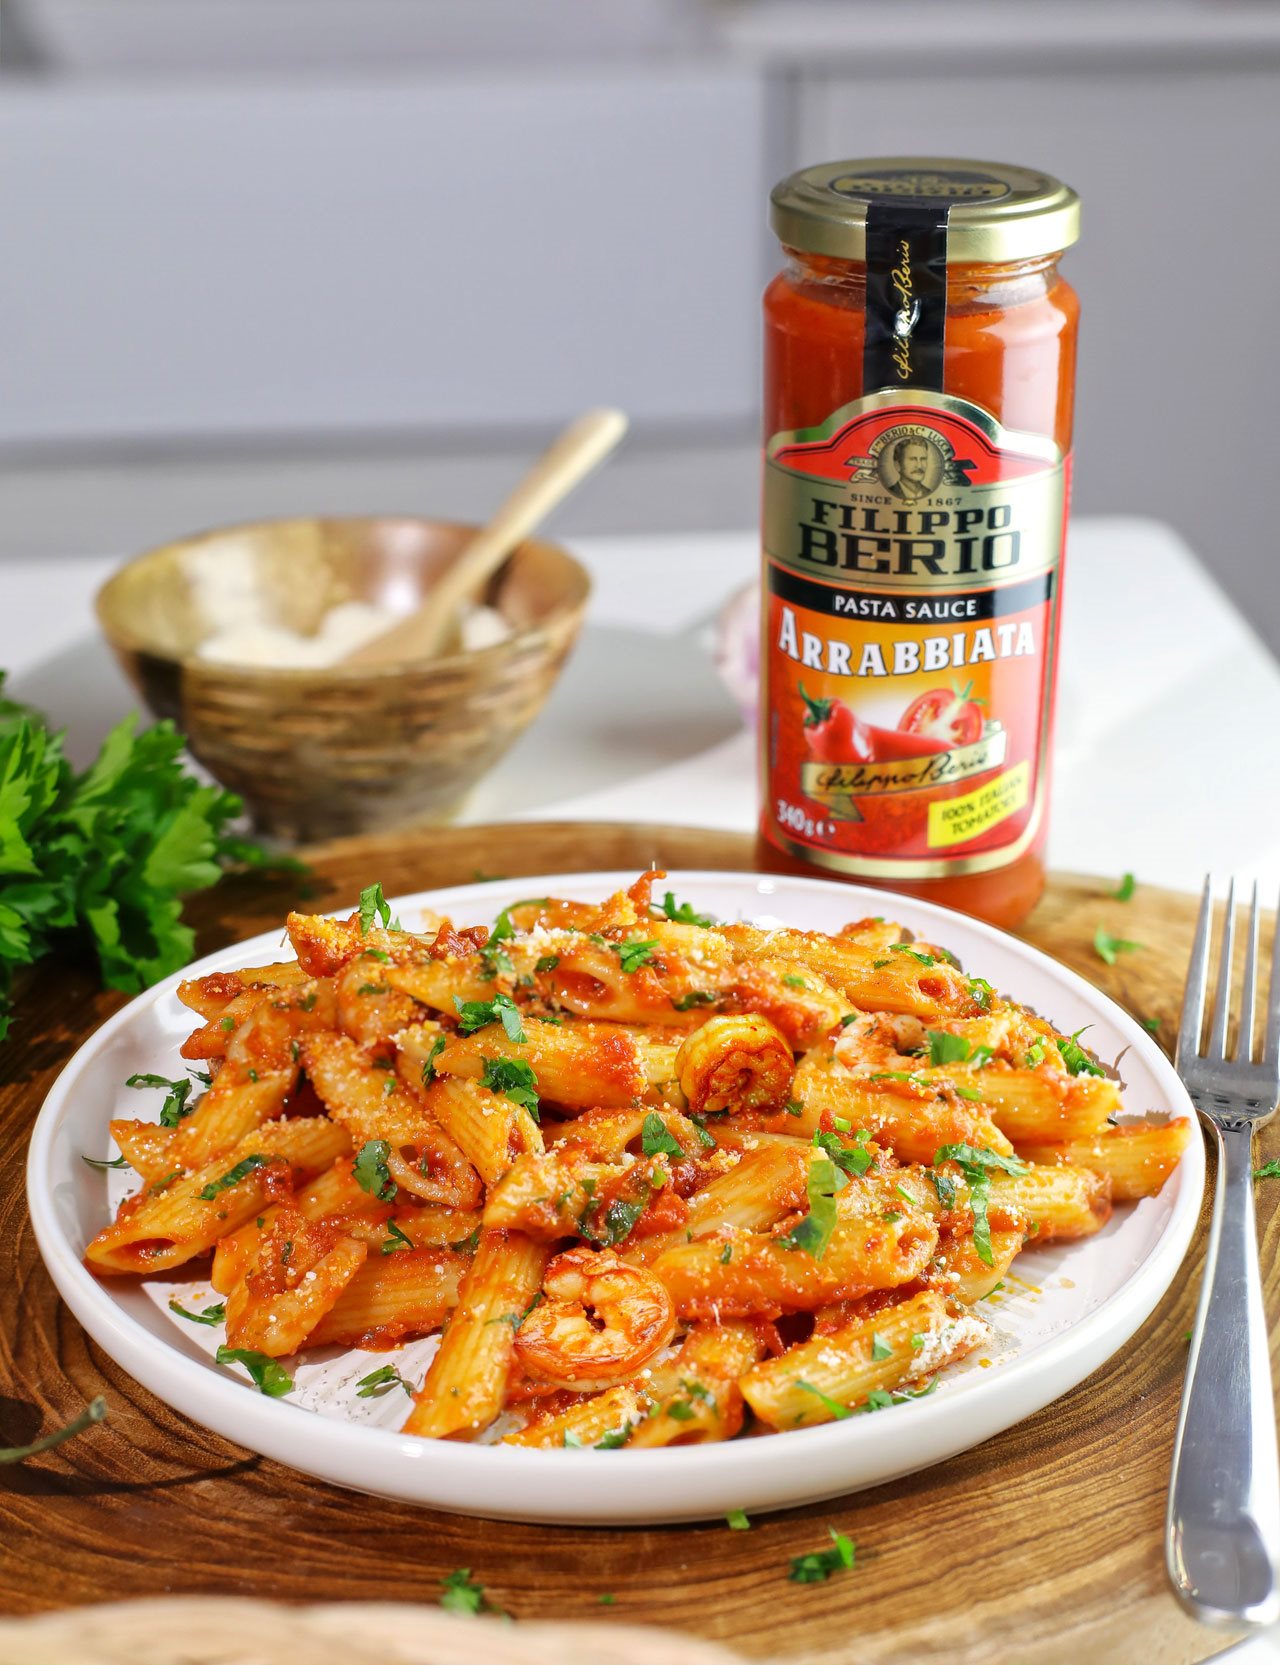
[[1042, 1544]]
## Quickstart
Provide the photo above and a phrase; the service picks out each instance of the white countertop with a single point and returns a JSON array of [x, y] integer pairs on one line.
[[1168, 732], [1168, 745]]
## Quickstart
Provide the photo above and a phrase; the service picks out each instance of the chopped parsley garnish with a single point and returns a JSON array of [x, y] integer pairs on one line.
[[880, 1348], [614, 1440], [818, 1566], [915, 953], [175, 1105], [726, 1254], [269, 1377], [981, 992], [376, 954], [970, 1093], [468, 1244], [794, 982], [632, 955], [855, 1161], [372, 902], [900, 1075], [496, 961], [655, 1140], [681, 1410], [836, 1409], [370, 1170], [397, 1239], [1074, 1055], [116, 1162], [381, 1381], [513, 1078], [1125, 889], [1109, 948], [201, 1075], [462, 1595], [736, 1520], [813, 1233], [373, 988], [682, 913], [619, 1218], [503, 928], [945, 1048], [232, 1177], [794, 1107], [227, 1025], [475, 1014], [977, 1166], [1268, 1170], [1035, 1055], [704, 1138], [848, 1018], [94, 1411], [429, 1062], [1151, 1025], [548, 962], [210, 1315]]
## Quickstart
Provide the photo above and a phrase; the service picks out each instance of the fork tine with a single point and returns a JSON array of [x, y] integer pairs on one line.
[[1249, 999], [1222, 1001], [1271, 1043], [1197, 978]]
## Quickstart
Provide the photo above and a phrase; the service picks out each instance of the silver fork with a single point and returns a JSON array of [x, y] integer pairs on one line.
[[1222, 1532]]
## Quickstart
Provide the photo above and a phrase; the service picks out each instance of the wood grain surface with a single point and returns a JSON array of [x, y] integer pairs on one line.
[[1042, 1544]]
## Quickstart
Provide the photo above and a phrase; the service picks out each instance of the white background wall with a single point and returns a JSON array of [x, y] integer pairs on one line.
[[296, 253]]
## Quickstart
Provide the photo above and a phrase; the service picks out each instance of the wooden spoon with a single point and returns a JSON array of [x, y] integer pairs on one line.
[[424, 632]]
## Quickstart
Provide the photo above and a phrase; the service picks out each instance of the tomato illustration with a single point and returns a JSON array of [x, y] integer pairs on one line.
[[832, 733], [950, 715]]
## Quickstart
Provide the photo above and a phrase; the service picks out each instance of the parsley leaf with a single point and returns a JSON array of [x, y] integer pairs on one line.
[[94, 1411], [1125, 889], [1151, 1025], [95, 1162], [818, 1566], [945, 1048], [475, 1014], [372, 902], [1035, 1055], [736, 1520], [695, 997], [977, 1166], [370, 1171], [210, 1315], [1268, 1170], [515, 1080], [655, 1140], [880, 1348], [461, 1595], [397, 1239], [175, 1106], [429, 1062], [682, 913], [269, 1377], [232, 1177], [981, 992], [548, 962], [794, 982], [916, 954], [836, 1409], [632, 955], [619, 1218], [813, 1233], [1109, 948], [381, 1381], [855, 1161], [1074, 1055]]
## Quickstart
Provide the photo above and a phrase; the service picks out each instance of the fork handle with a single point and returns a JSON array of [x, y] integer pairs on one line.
[[1222, 1535]]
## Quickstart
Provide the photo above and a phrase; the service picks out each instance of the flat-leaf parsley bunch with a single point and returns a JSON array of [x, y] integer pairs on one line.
[[106, 856]]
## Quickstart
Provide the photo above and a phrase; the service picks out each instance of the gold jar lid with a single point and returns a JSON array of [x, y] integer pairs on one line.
[[995, 212]]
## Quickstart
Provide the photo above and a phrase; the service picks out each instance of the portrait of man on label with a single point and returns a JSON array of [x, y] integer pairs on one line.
[[910, 470]]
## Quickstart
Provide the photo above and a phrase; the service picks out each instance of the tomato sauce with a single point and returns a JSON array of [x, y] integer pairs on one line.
[[920, 351]]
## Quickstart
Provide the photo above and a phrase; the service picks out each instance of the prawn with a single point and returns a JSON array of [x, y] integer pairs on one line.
[[599, 1322]]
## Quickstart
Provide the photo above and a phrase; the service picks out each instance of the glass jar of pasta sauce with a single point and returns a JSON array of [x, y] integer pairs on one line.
[[920, 348]]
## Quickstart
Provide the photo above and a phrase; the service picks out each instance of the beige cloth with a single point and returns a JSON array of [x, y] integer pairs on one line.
[[209, 1631]]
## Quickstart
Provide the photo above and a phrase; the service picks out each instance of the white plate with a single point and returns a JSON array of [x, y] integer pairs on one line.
[[1078, 1304]]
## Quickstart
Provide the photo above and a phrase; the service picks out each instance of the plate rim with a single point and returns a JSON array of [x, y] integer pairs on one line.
[[227, 1405]]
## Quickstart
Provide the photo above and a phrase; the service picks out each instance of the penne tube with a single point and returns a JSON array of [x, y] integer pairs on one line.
[[763, 1276], [158, 1230], [1137, 1158], [1055, 1203], [577, 1067], [145, 1147], [490, 1129], [392, 1297], [695, 1398], [960, 1271], [735, 1061], [466, 1382], [1048, 1106], [297, 1274], [760, 1187], [209, 996], [895, 981], [823, 1379], [599, 1422]]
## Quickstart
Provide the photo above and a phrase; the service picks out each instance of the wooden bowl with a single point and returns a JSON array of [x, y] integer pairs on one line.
[[320, 753]]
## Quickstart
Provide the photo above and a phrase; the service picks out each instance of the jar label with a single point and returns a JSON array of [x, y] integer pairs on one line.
[[912, 548]]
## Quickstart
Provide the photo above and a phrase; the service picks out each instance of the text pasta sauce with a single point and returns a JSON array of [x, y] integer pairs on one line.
[[919, 374]]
